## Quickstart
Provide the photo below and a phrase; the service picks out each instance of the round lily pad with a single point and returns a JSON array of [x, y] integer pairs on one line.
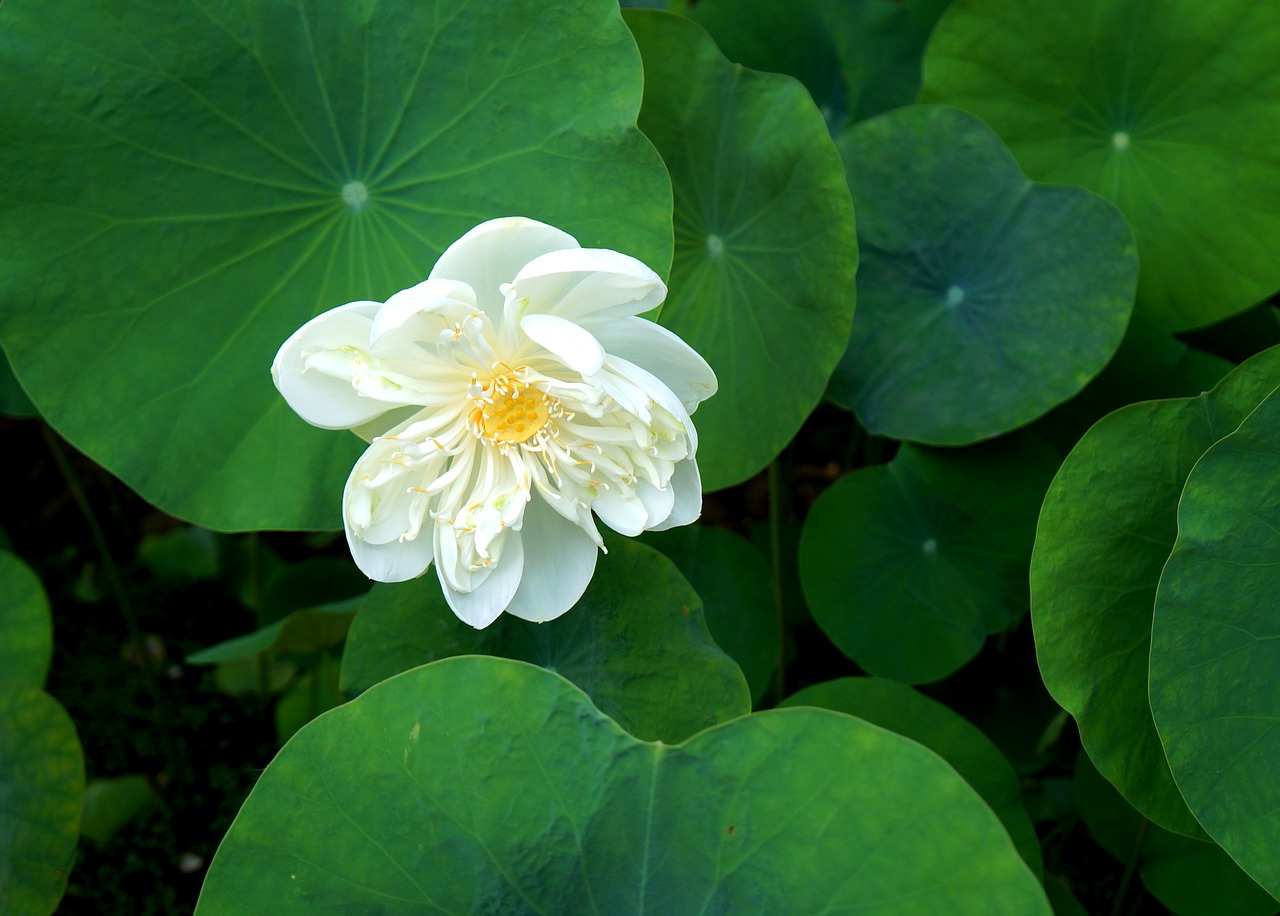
[[762, 277], [908, 566], [1215, 644], [986, 299], [1170, 110], [1106, 529], [907, 712], [198, 180], [27, 646], [636, 642], [41, 795], [486, 785]]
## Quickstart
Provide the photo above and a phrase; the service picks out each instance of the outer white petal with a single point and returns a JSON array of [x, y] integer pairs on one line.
[[624, 514], [402, 314], [576, 348], [559, 560], [655, 349], [493, 253], [482, 605], [657, 503], [686, 483], [324, 400], [588, 285]]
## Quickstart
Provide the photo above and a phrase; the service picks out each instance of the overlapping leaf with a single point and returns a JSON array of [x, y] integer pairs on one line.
[[486, 785], [1215, 644], [636, 642], [1170, 110], [1105, 531], [197, 180]]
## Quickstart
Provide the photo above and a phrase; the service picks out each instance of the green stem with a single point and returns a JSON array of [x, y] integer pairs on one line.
[[1130, 867], [777, 506], [115, 581]]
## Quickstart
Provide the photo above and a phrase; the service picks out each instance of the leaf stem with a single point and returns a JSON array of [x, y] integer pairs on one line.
[[1130, 867], [777, 506]]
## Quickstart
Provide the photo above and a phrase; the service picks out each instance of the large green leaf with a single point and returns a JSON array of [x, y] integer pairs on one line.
[[481, 785], [636, 642], [901, 709], [1191, 877], [732, 577], [41, 794], [857, 58], [765, 253], [908, 566], [197, 180], [26, 629], [986, 299], [1215, 645], [1171, 110], [1106, 528]]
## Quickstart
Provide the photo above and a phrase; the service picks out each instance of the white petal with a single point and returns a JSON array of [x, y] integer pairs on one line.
[[658, 503], [655, 349], [559, 560], [482, 605], [625, 514], [404, 311], [686, 483], [576, 348], [323, 399], [493, 253], [589, 285], [394, 561]]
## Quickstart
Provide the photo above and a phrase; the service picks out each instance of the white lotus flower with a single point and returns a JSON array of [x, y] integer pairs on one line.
[[514, 393]]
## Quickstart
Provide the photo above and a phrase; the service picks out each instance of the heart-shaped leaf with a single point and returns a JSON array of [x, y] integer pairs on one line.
[[487, 785], [908, 566], [986, 299], [198, 180]]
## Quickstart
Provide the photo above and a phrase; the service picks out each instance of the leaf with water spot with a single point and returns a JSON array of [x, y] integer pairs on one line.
[[199, 179]]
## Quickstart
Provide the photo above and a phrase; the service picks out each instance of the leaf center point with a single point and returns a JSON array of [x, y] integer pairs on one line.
[[355, 195]]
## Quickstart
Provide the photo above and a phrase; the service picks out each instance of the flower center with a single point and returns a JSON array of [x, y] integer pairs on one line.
[[513, 412]]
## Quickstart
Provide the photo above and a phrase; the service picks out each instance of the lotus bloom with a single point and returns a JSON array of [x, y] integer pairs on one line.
[[512, 394]]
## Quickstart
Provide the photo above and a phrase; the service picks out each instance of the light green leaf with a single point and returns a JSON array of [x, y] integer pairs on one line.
[[486, 785], [1215, 644], [1190, 877], [636, 642], [301, 631], [732, 577], [41, 793], [1106, 528], [110, 804], [762, 281], [1170, 110], [908, 566], [986, 299], [26, 627], [197, 180], [902, 710]]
